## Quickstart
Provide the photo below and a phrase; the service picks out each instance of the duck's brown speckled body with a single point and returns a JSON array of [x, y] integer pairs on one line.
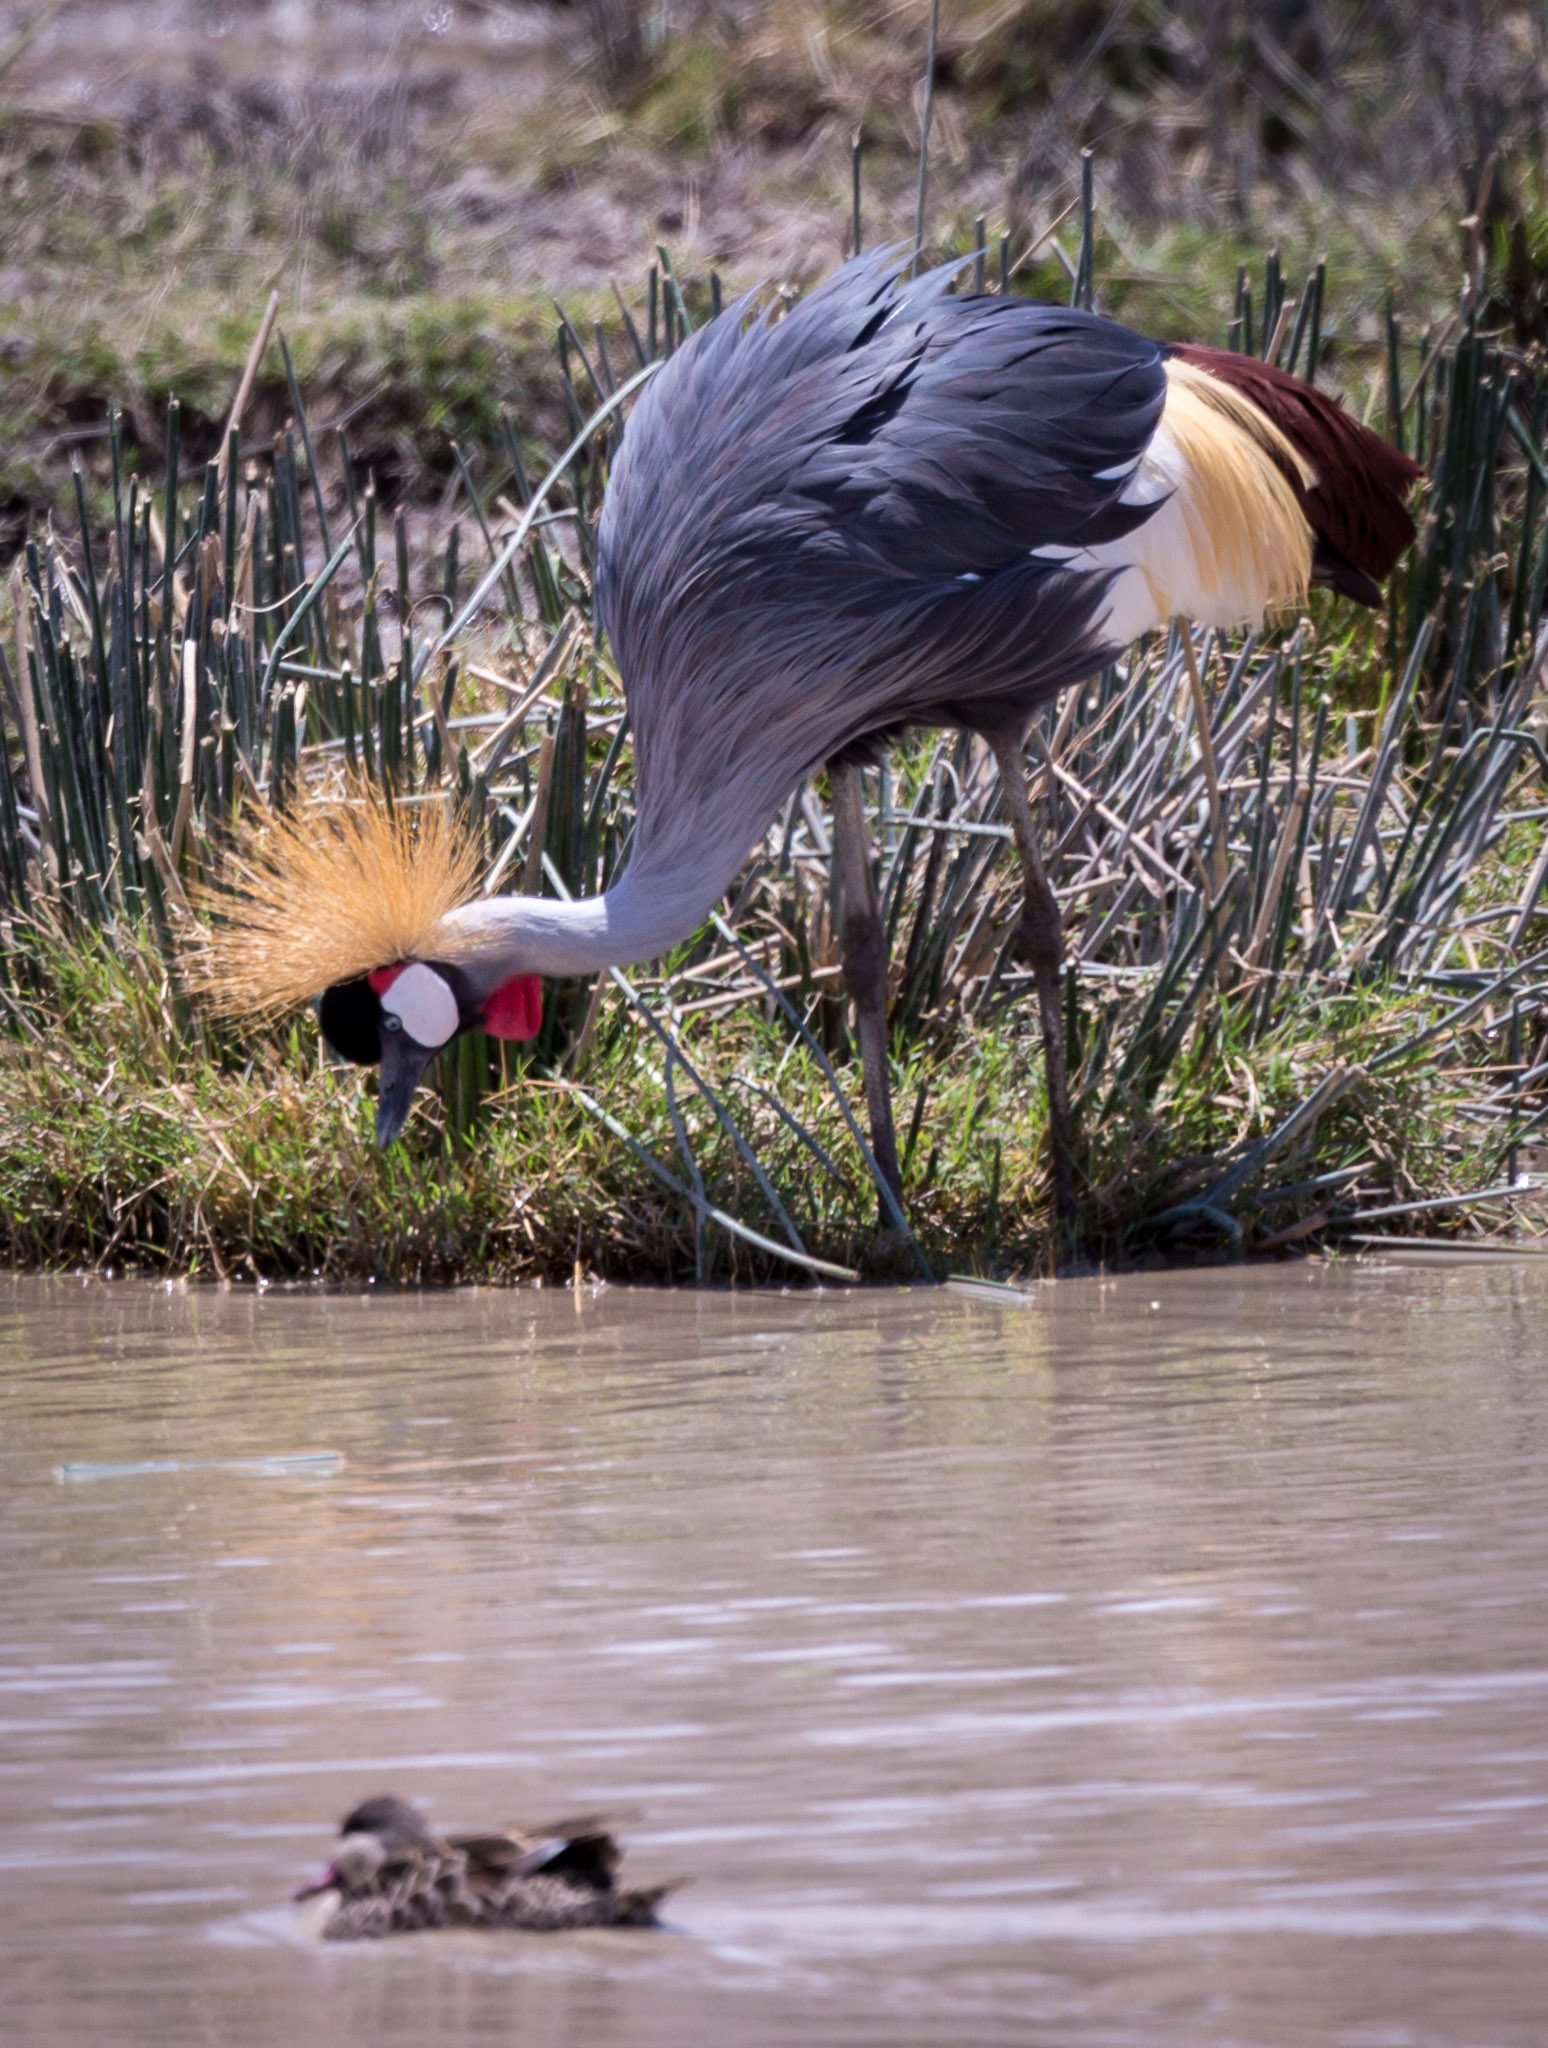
[[392, 1875]]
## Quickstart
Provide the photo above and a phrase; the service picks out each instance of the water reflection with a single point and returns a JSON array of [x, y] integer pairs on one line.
[[1161, 1663]]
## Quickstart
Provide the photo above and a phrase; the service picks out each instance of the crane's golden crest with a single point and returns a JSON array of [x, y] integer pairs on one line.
[[326, 892]]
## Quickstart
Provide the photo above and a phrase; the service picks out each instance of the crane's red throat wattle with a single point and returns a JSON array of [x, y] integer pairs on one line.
[[515, 1009]]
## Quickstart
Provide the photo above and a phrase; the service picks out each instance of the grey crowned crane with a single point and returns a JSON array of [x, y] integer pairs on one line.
[[889, 505]]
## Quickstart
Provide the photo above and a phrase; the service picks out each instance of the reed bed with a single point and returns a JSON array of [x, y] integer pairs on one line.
[[1301, 875]]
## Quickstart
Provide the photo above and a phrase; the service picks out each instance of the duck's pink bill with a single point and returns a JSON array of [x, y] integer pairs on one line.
[[325, 1883]]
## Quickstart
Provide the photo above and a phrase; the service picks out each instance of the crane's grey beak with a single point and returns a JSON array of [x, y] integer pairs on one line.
[[403, 1064]]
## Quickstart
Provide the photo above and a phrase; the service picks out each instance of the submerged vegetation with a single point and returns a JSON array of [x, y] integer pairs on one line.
[[1301, 873]]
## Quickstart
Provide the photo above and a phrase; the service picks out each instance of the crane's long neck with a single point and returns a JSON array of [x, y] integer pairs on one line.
[[716, 752], [642, 915]]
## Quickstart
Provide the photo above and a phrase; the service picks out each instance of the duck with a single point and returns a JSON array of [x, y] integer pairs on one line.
[[392, 1874]]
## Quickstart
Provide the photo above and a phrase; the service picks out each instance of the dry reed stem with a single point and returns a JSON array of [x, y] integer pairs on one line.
[[1207, 757], [245, 386]]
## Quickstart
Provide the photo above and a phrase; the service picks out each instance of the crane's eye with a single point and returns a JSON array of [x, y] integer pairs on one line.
[[390, 1022]]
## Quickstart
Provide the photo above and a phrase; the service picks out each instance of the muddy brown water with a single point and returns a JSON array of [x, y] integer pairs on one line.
[[1164, 1663]]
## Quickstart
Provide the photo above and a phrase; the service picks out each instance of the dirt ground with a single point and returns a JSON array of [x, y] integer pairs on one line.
[[498, 102], [420, 181]]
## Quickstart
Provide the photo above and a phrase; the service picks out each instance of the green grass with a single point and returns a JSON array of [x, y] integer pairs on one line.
[[412, 376], [128, 1147]]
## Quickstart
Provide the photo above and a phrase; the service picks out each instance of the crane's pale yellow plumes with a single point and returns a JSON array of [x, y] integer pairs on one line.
[[1251, 541], [323, 893], [1226, 541]]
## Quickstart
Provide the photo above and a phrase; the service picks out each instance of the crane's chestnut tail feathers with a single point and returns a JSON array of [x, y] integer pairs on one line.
[[323, 894], [1356, 499]]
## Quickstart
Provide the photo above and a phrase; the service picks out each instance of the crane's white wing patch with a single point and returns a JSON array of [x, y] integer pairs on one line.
[[423, 1005]]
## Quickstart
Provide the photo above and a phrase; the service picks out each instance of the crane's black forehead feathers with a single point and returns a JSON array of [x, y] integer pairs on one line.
[[821, 520], [350, 1017]]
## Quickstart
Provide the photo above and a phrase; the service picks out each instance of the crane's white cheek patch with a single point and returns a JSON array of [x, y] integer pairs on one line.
[[423, 1005]]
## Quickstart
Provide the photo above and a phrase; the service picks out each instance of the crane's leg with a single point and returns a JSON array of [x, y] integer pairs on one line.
[[865, 967], [1042, 940]]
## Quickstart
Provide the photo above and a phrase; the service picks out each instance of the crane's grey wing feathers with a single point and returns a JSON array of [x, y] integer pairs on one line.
[[822, 525], [938, 434], [998, 426]]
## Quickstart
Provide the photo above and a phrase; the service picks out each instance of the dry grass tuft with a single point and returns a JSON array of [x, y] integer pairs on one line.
[[325, 893]]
